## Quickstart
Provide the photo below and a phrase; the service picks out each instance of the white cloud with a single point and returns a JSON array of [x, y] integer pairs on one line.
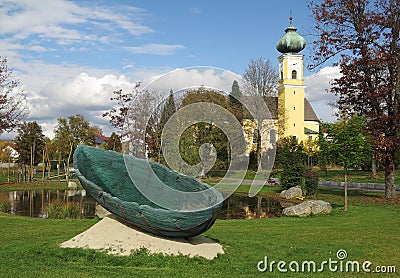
[[156, 49], [318, 92], [38, 48], [66, 22], [195, 10], [85, 94]]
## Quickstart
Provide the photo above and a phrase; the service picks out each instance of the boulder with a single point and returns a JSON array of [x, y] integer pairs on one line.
[[297, 210], [320, 207], [308, 207], [291, 193]]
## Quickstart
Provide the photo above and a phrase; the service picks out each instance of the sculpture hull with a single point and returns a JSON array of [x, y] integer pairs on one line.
[[105, 177]]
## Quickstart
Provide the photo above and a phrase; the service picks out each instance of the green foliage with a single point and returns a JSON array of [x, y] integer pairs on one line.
[[5, 206], [311, 183], [114, 143], [72, 131], [235, 106], [156, 126], [30, 138], [60, 210], [200, 133], [291, 156], [346, 143]]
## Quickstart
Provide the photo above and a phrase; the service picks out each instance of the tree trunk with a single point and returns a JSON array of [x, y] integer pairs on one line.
[[69, 158], [43, 166], [8, 168], [59, 165], [390, 189], [373, 167], [345, 188]]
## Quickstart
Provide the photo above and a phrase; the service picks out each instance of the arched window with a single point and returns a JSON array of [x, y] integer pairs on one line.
[[294, 74], [281, 75]]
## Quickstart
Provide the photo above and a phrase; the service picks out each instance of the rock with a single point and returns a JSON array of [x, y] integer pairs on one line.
[[320, 207], [291, 193], [72, 185], [117, 238], [101, 212], [300, 210], [308, 207]]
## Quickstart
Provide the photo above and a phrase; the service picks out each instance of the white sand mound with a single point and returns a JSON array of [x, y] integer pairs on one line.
[[115, 237]]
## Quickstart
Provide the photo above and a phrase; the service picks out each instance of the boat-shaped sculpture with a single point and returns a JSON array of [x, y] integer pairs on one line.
[[105, 176]]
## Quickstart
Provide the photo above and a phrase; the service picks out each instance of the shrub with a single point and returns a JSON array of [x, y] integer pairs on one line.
[[59, 210], [292, 176], [5, 206], [311, 183]]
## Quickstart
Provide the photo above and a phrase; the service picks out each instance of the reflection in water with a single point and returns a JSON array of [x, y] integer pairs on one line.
[[240, 206], [35, 203]]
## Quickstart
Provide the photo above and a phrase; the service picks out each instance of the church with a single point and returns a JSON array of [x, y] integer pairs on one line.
[[292, 114]]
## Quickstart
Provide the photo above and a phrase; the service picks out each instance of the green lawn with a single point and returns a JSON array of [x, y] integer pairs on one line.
[[368, 231]]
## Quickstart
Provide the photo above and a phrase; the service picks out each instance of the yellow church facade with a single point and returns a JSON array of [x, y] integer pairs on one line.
[[292, 114]]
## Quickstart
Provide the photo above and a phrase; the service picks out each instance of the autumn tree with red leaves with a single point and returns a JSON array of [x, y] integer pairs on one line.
[[13, 107], [365, 35]]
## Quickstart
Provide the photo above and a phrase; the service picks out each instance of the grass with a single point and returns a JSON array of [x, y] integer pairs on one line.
[[49, 185], [331, 175], [368, 231]]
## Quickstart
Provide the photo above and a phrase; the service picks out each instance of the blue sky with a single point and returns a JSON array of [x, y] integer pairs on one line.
[[71, 55]]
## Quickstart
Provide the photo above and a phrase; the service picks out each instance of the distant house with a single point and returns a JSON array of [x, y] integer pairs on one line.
[[10, 149], [100, 139]]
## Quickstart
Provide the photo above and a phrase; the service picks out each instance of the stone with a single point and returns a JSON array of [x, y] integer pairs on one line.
[[307, 208], [101, 212], [320, 207], [117, 238], [72, 185], [291, 193]]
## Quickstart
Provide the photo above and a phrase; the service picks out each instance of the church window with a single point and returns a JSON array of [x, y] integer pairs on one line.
[[294, 74]]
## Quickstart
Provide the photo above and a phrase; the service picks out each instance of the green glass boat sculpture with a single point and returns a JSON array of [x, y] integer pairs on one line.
[[105, 176]]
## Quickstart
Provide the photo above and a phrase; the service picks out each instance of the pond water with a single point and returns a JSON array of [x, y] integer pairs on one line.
[[36, 203]]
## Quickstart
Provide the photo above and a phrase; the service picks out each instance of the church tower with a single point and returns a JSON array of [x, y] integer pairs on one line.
[[291, 84]]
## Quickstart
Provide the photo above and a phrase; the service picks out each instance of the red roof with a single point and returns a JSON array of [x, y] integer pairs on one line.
[[104, 138]]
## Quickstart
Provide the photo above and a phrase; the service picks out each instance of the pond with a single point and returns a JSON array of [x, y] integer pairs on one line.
[[38, 203]]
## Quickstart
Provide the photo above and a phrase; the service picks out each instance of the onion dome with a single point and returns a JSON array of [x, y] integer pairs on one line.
[[291, 42]]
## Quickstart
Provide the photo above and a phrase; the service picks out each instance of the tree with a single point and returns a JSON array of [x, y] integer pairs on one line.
[[262, 76], [114, 143], [29, 144], [366, 34], [69, 133], [291, 156], [235, 106], [200, 133], [347, 145], [13, 107], [155, 127]]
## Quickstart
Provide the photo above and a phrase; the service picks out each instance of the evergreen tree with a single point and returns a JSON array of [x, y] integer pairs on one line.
[[291, 156], [235, 105], [114, 143]]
